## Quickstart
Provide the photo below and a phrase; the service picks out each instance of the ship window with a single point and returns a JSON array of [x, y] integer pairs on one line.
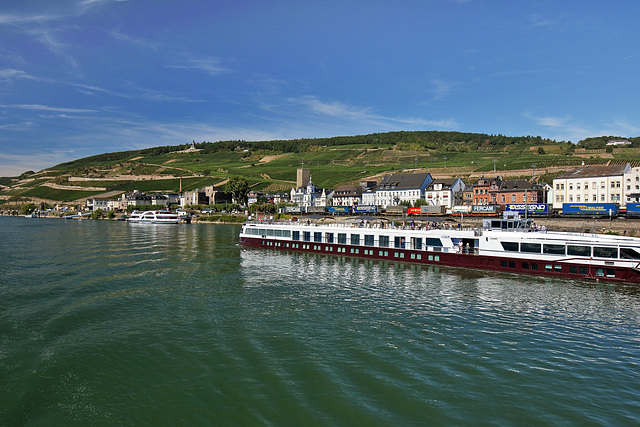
[[553, 249], [368, 239], [599, 272], [573, 269], [583, 270], [510, 246], [317, 237], [432, 241], [604, 252], [629, 253], [399, 242], [503, 263], [417, 242], [557, 267], [384, 241], [525, 265], [306, 236], [286, 233], [329, 237], [611, 273], [512, 264], [355, 239], [270, 232], [548, 267], [531, 247], [296, 235], [579, 250], [342, 238]]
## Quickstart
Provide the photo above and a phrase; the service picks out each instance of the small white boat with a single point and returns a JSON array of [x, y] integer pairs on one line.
[[154, 217]]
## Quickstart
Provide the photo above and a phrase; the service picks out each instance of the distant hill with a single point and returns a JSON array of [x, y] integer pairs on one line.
[[271, 165]]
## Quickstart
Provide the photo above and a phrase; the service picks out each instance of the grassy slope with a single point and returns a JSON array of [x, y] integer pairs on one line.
[[330, 165]]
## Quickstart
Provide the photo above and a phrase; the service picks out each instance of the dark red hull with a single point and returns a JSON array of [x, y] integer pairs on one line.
[[512, 265]]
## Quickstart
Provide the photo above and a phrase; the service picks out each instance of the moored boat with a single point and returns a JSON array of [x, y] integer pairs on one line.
[[154, 217], [509, 244]]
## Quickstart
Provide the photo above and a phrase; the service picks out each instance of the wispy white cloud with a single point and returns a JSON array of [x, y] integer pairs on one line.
[[569, 129], [538, 20], [212, 66], [11, 74], [47, 108], [441, 88], [135, 41], [364, 116], [16, 19], [16, 164]]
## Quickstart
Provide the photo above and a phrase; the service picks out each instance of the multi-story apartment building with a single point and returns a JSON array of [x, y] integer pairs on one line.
[[398, 188], [484, 191], [520, 191], [445, 192], [632, 185], [592, 184], [347, 195]]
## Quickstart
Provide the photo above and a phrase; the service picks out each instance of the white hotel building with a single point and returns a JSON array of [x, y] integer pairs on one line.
[[594, 184]]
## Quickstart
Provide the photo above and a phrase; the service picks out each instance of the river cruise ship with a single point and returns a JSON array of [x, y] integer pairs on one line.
[[154, 217], [508, 244]]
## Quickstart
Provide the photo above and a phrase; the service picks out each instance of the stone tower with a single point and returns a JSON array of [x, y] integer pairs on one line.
[[303, 177]]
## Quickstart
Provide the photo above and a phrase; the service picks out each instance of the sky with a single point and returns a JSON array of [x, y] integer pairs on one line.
[[86, 77]]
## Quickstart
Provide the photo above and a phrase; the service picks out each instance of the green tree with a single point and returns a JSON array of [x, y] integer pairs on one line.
[[239, 188], [27, 208], [97, 214], [419, 202]]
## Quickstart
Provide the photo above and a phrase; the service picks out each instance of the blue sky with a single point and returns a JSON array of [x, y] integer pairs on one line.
[[84, 77]]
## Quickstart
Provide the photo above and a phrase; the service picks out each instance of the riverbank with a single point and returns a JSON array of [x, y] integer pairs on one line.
[[621, 226]]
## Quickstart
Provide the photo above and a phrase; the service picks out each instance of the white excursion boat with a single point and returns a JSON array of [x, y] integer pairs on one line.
[[509, 244], [154, 217]]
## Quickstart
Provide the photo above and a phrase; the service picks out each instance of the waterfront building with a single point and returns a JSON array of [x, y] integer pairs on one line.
[[520, 191], [445, 192], [347, 195], [306, 196], [485, 191], [398, 188], [593, 184], [95, 203]]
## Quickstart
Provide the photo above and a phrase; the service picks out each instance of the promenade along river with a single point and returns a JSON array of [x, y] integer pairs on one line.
[[107, 323]]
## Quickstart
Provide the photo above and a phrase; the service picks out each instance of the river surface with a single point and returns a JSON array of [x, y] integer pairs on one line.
[[110, 323]]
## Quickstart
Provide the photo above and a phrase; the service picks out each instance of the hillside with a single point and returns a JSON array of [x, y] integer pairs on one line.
[[271, 165]]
